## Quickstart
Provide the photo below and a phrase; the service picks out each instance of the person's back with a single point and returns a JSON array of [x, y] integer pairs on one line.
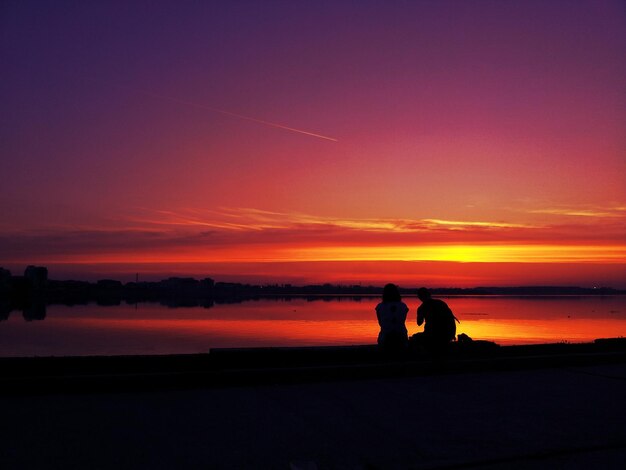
[[391, 314], [392, 317], [439, 320]]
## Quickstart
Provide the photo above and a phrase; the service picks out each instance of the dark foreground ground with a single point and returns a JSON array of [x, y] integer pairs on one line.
[[547, 407], [543, 418]]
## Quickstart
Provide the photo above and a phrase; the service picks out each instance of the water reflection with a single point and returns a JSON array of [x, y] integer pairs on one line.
[[34, 310], [5, 309], [172, 327]]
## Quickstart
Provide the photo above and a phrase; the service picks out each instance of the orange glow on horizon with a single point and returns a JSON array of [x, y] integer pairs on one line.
[[470, 253], [477, 253], [253, 245]]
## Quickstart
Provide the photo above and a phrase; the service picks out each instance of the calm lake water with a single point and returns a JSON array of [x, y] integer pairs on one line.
[[149, 328]]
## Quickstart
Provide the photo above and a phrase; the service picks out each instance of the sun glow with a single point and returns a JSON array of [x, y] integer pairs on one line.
[[459, 253], [468, 253]]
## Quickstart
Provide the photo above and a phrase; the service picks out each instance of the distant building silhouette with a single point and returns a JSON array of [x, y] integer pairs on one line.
[[37, 276], [5, 280], [109, 284]]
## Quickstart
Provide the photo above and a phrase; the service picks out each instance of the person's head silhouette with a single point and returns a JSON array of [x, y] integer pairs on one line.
[[423, 294], [391, 293]]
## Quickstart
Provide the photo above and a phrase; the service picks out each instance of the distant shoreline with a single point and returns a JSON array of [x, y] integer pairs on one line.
[[35, 287]]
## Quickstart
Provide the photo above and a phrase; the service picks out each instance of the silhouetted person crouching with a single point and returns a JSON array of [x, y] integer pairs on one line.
[[391, 314], [439, 323]]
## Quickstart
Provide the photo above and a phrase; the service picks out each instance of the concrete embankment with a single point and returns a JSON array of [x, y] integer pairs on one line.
[[254, 366]]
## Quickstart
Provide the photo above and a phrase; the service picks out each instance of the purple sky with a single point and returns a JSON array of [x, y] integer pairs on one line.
[[481, 112]]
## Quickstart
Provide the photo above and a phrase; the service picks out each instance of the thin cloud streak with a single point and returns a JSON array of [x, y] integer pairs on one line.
[[240, 116], [461, 224], [253, 235], [256, 220], [600, 212]]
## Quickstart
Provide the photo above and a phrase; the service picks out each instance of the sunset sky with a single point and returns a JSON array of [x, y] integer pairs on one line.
[[445, 143]]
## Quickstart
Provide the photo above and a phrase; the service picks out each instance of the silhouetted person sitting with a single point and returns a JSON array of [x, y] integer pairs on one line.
[[391, 314], [439, 322]]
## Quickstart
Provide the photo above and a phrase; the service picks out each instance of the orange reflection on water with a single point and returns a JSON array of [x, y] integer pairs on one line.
[[247, 333], [517, 331], [157, 329], [526, 320]]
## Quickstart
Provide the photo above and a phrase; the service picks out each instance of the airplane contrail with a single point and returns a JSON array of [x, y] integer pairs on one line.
[[100, 82], [240, 116]]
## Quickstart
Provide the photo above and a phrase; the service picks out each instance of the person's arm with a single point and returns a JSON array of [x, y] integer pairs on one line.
[[420, 316], [404, 313], [378, 317], [451, 313]]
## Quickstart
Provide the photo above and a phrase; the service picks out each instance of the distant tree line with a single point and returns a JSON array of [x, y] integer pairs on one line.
[[34, 287]]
